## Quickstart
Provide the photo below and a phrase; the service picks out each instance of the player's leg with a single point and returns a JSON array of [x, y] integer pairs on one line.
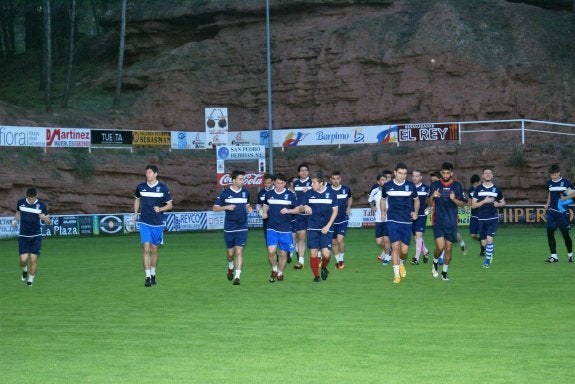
[[238, 263], [325, 247], [33, 268], [461, 244], [272, 243], [300, 248], [340, 254], [24, 251], [551, 227], [438, 250]]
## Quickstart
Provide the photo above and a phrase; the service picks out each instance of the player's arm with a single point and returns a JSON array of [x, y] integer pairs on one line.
[[383, 207], [45, 218], [169, 205], [264, 211], [546, 206], [220, 208], [16, 219], [349, 203], [325, 229], [416, 204], [499, 203], [136, 209], [433, 194]]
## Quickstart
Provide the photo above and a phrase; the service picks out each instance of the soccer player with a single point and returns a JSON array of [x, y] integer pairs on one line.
[[381, 235], [320, 203], [301, 186], [30, 212], [279, 205], [474, 182], [235, 201], [268, 186], [344, 201], [401, 210], [487, 197], [557, 186], [445, 196], [418, 227], [154, 198]]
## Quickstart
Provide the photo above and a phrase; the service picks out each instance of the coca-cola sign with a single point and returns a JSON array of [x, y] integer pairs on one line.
[[252, 179]]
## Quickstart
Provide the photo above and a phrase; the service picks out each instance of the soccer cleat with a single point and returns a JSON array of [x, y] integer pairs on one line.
[[230, 274], [426, 258], [570, 259], [29, 283], [341, 265], [444, 276], [24, 276], [434, 270], [324, 273], [396, 279], [551, 260], [148, 282], [237, 281], [316, 279], [463, 250], [414, 261], [482, 254], [298, 265], [486, 264], [153, 279], [385, 262], [402, 271], [273, 276], [280, 278]]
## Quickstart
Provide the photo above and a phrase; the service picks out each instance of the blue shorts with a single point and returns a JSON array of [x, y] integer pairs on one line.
[[339, 229], [556, 219], [283, 240], [419, 224], [317, 240], [236, 238], [399, 232], [381, 229], [153, 234], [449, 234], [31, 245], [300, 222], [473, 225], [487, 228]]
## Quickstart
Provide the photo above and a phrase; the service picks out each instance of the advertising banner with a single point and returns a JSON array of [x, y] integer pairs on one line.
[[244, 152], [68, 137], [251, 179], [187, 221], [111, 138], [188, 140], [379, 134], [216, 220], [217, 126], [22, 136], [151, 138], [6, 229], [428, 132]]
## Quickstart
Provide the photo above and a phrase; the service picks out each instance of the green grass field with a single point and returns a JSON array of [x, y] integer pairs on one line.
[[89, 319]]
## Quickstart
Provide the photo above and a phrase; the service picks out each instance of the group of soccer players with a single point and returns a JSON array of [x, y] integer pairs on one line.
[[309, 208]]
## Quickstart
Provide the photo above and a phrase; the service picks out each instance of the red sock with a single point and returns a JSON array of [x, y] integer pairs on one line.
[[325, 261], [314, 264]]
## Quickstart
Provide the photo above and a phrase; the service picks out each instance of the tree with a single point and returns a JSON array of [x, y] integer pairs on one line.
[[47, 55], [121, 55], [70, 53]]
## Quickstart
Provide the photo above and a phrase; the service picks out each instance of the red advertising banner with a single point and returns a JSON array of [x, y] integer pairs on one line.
[[252, 179], [428, 132]]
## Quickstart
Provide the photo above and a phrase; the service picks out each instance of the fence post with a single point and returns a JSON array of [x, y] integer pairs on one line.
[[522, 131]]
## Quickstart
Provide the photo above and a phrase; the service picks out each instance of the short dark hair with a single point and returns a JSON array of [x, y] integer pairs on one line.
[[336, 173], [269, 176], [475, 179], [236, 173], [400, 165], [554, 168], [318, 175], [152, 167], [280, 176], [31, 192], [299, 167], [435, 174], [386, 172], [446, 166]]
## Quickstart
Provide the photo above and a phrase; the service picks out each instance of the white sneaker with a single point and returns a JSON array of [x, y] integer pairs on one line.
[[434, 272]]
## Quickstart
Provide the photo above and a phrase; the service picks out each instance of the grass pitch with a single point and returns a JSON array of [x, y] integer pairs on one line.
[[89, 319]]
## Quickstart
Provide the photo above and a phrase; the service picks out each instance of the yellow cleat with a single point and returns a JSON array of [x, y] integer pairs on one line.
[[396, 279], [402, 271]]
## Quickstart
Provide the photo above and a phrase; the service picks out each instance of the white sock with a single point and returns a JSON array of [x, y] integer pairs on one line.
[[25, 268], [238, 273], [341, 257], [31, 278], [554, 255], [462, 243], [300, 260], [570, 254], [148, 273], [396, 270], [230, 265], [445, 267], [442, 253], [153, 271], [275, 268]]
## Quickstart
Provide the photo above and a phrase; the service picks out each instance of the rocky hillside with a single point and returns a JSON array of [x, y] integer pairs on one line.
[[333, 63]]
